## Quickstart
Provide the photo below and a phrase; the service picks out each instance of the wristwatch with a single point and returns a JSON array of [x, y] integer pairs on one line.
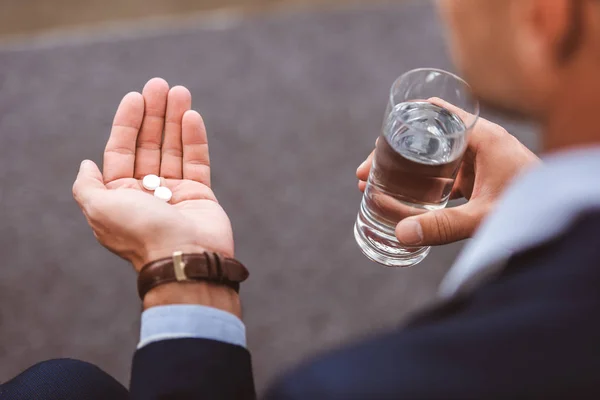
[[180, 267]]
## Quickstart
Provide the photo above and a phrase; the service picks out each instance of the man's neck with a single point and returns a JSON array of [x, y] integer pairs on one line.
[[573, 120]]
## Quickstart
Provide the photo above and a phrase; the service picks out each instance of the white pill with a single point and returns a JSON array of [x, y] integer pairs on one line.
[[163, 193], [151, 182]]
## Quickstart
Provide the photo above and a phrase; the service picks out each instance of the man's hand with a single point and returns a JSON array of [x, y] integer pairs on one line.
[[128, 219], [493, 157]]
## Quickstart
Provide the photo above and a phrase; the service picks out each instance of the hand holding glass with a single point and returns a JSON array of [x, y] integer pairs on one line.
[[416, 161]]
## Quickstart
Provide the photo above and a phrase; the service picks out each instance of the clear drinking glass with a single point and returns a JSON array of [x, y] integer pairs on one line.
[[416, 160]]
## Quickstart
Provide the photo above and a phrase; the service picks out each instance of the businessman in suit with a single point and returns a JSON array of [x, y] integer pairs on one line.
[[518, 312]]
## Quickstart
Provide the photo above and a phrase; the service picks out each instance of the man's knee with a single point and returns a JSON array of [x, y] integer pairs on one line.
[[63, 379]]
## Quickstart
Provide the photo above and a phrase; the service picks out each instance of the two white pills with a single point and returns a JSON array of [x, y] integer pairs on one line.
[[152, 182]]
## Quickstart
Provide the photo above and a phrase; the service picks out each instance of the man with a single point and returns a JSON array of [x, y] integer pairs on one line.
[[519, 310]]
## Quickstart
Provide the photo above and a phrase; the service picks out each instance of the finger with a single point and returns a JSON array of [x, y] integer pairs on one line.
[[363, 170], [196, 160], [467, 118], [392, 209], [147, 154], [449, 106], [440, 227], [119, 155], [362, 185], [89, 181], [179, 101], [456, 194]]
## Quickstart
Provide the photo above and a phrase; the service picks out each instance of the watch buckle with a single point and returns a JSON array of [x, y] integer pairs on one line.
[[179, 266]]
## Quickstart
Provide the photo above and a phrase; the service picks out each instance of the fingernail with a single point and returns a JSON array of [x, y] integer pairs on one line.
[[409, 232], [84, 163]]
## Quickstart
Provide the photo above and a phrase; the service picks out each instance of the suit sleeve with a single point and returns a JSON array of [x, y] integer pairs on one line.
[[182, 369]]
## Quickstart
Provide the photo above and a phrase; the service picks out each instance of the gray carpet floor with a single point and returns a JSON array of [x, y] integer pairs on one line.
[[293, 103]]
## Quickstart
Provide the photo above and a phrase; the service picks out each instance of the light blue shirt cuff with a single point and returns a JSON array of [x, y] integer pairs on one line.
[[190, 322]]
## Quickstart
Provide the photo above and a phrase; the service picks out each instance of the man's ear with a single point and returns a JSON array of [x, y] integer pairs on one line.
[[573, 34], [555, 26], [538, 32]]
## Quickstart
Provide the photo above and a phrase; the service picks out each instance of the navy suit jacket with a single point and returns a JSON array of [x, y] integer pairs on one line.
[[533, 332]]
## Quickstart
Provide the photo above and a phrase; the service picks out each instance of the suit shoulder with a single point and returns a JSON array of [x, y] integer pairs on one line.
[[552, 288], [576, 249]]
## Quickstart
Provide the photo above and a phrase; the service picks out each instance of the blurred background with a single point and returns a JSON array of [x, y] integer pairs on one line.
[[292, 92], [42, 15]]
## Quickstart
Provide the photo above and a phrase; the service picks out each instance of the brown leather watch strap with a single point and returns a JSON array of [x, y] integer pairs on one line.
[[207, 266]]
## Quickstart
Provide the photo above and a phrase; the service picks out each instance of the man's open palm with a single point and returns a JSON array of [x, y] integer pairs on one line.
[[155, 132]]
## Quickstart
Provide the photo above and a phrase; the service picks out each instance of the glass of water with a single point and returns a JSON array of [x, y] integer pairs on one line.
[[416, 160]]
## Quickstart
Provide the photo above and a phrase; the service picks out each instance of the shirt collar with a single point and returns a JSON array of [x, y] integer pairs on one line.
[[538, 206]]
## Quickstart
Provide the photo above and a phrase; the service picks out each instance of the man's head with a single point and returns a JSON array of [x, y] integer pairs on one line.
[[519, 55]]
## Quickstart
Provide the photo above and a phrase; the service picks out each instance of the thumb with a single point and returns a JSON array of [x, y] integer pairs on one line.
[[89, 180], [440, 227]]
